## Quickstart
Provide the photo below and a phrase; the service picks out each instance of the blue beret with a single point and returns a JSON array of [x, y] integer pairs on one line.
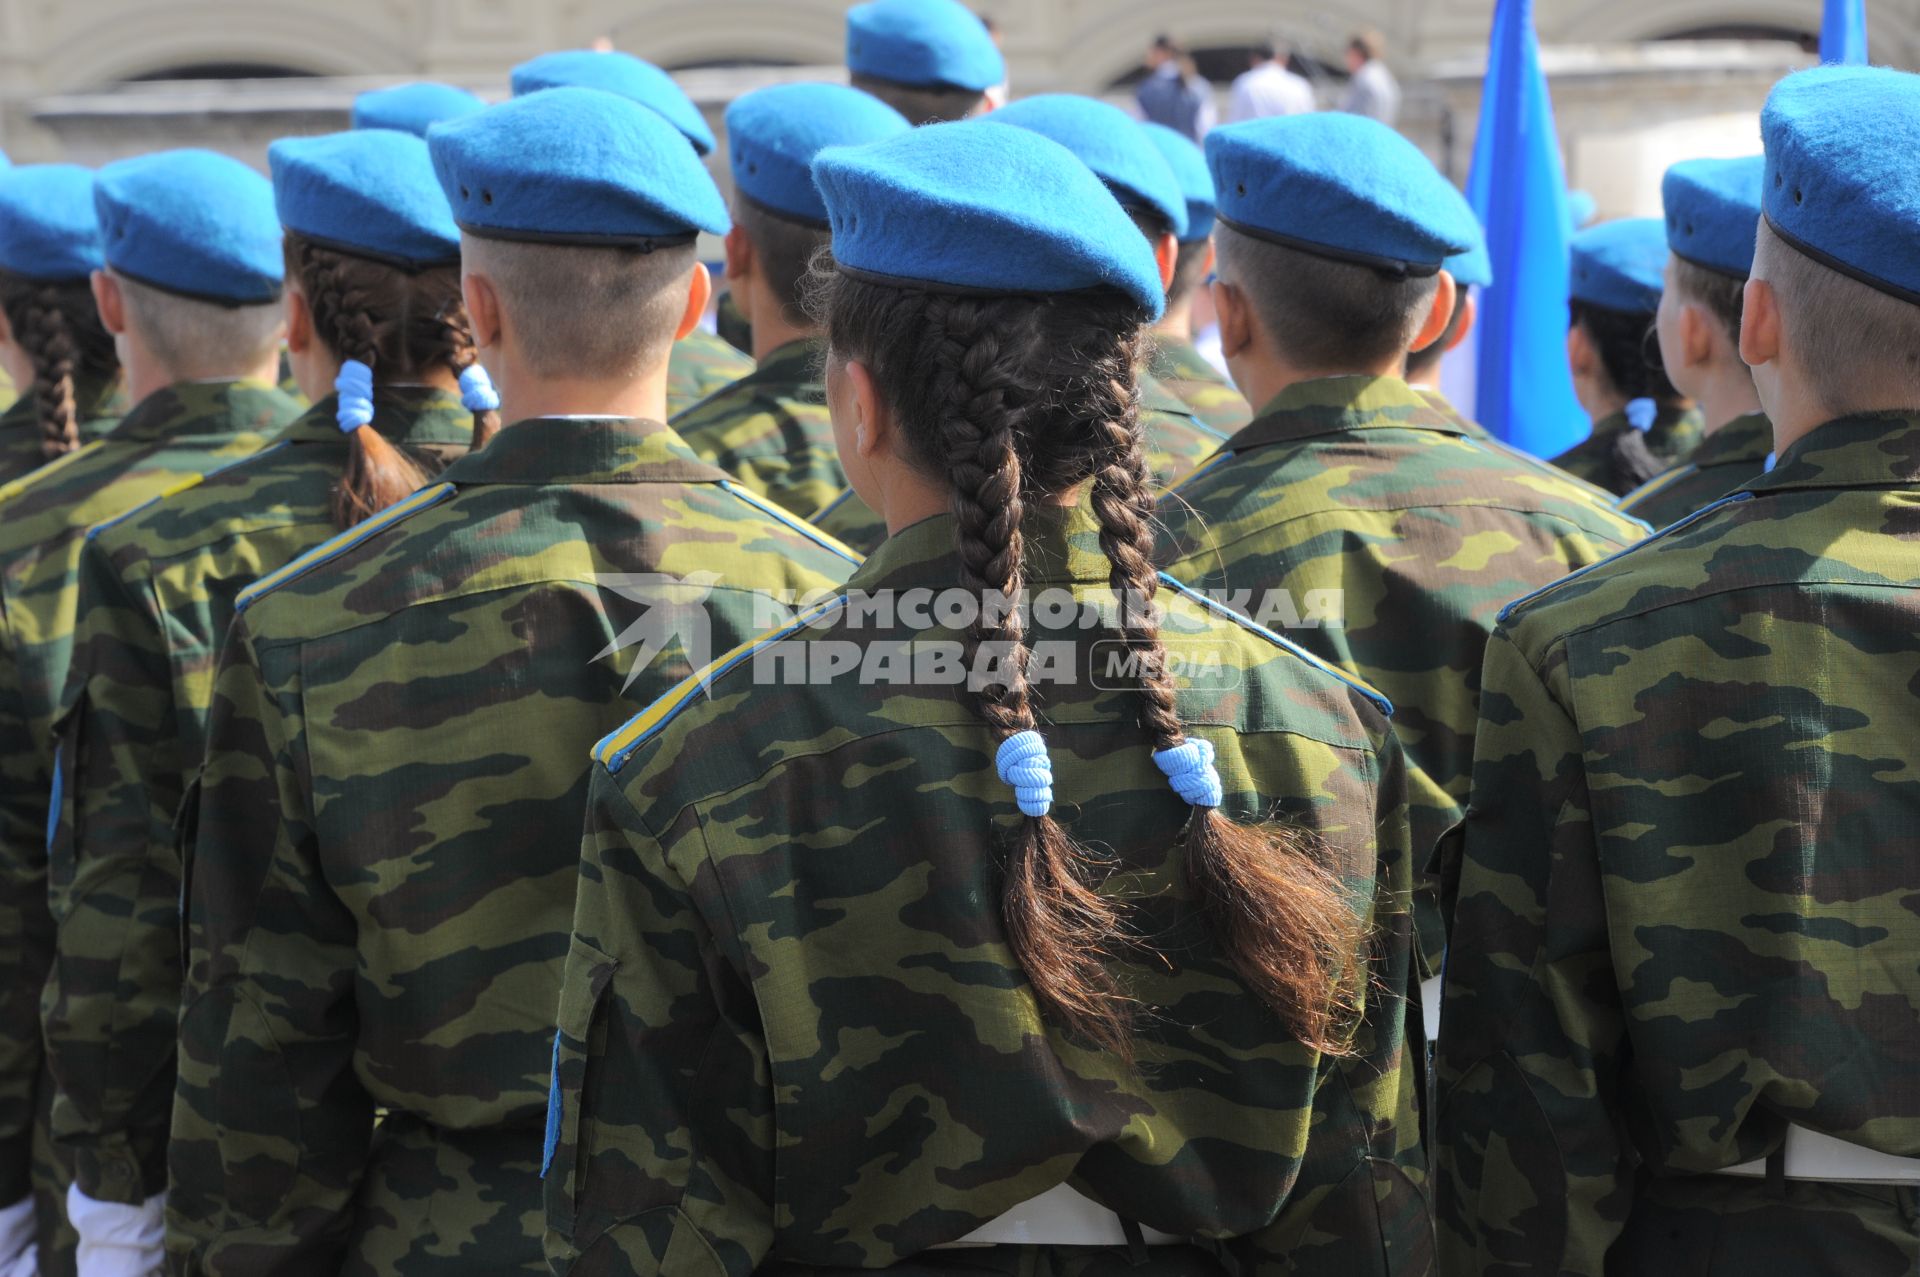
[[1473, 268], [1339, 186], [1713, 211], [412, 108], [48, 229], [1582, 208], [774, 133], [923, 43], [575, 166], [193, 223], [1108, 141], [371, 193], [1189, 165], [977, 207], [620, 73], [1841, 184], [1620, 265]]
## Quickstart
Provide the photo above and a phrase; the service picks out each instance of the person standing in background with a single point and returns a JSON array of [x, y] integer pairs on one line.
[[1174, 94], [1373, 91], [1270, 88]]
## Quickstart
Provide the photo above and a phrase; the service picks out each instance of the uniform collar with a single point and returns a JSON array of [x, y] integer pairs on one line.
[[1746, 438], [1174, 360], [557, 450], [402, 414], [1872, 450], [205, 409], [798, 361], [1156, 397], [1062, 547], [1336, 405]]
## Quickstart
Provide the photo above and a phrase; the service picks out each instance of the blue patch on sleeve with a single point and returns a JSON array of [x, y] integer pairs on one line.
[[553, 1111], [54, 801]]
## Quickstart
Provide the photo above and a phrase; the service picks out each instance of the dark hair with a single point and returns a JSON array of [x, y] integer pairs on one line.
[[1628, 355], [1011, 399], [398, 324], [783, 252], [1427, 358], [1724, 297], [1323, 314], [1369, 44], [58, 327], [921, 103]]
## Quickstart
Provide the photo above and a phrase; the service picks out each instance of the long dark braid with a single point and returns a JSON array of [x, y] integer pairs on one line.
[[60, 331]]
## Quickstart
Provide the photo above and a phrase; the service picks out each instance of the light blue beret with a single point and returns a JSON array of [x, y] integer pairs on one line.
[[1582, 208], [1339, 186], [620, 73], [1473, 268], [923, 44], [575, 166], [1108, 141], [1842, 184], [1620, 265], [1713, 212], [774, 133], [371, 193], [978, 207], [1189, 165], [412, 108], [48, 228], [193, 223]]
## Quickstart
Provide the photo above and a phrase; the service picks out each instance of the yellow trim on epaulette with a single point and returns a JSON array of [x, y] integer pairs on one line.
[[799, 525], [342, 542], [1658, 483], [32, 478], [187, 484], [613, 750]]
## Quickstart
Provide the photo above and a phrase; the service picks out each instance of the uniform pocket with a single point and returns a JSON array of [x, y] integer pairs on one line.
[[576, 1041]]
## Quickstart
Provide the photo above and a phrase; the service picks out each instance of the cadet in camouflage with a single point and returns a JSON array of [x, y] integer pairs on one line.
[[1680, 997], [1724, 460], [701, 365], [97, 405], [771, 433], [1385, 529], [379, 892], [810, 1018]]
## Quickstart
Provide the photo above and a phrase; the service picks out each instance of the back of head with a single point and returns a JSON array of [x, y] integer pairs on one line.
[[582, 209], [1188, 164], [629, 77], [1713, 208], [1111, 143], [930, 60], [1471, 270], [49, 244], [412, 108], [1368, 44], [1616, 275]]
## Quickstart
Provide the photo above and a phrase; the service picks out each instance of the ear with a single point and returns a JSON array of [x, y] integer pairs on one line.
[[109, 301], [1237, 327], [1439, 315], [483, 309], [739, 256], [1213, 259], [1696, 334], [1469, 312], [699, 293], [299, 322], [1760, 324], [872, 425], [6, 331], [1581, 355], [1166, 254]]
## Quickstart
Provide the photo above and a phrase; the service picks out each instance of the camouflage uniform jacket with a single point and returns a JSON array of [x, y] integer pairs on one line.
[[793, 1035], [1725, 459], [1685, 910], [771, 431], [381, 887], [156, 594], [1198, 384], [20, 454], [730, 324], [1394, 536], [44, 516], [1674, 433], [701, 364], [1474, 430]]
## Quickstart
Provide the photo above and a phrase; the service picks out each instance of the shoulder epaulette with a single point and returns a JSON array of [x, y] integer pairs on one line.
[[614, 750], [1617, 555], [1658, 483], [187, 484], [799, 525], [32, 477], [339, 544], [1379, 700], [840, 498], [1217, 460]]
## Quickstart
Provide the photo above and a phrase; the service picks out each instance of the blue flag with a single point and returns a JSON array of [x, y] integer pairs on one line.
[[1843, 32], [1517, 186]]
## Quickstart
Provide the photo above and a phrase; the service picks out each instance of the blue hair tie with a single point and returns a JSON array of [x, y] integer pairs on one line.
[[476, 389], [1642, 413], [1023, 763], [1189, 767], [355, 387]]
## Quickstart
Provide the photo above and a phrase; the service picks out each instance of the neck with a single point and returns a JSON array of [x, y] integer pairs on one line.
[[1265, 376], [1726, 393], [148, 376], [1177, 323], [772, 331], [1600, 404], [644, 397], [1795, 413]]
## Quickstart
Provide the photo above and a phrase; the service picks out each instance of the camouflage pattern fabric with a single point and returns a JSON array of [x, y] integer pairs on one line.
[[156, 595], [101, 405], [852, 522], [382, 883], [1474, 430], [793, 1035], [44, 516], [701, 364], [771, 431], [1393, 535], [731, 326], [8, 392], [1725, 459], [1685, 913], [1198, 384], [1674, 433]]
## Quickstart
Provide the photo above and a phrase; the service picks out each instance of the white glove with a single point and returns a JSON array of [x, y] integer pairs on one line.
[[117, 1240], [19, 1255]]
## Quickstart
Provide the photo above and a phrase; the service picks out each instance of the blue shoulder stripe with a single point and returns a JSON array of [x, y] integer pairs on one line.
[[185, 485], [1577, 573], [342, 542], [799, 525], [1212, 463], [841, 498], [1380, 702], [614, 750]]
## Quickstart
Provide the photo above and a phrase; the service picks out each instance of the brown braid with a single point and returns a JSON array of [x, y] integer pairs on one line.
[[60, 331]]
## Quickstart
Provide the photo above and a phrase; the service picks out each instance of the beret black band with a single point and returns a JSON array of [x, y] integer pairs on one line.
[[961, 290], [1394, 267], [1710, 268], [407, 265], [936, 86], [1833, 263], [224, 303], [798, 219], [571, 239]]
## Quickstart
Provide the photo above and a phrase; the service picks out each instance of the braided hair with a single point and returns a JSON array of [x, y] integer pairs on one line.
[[1009, 400], [58, 327], [400, 324]]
